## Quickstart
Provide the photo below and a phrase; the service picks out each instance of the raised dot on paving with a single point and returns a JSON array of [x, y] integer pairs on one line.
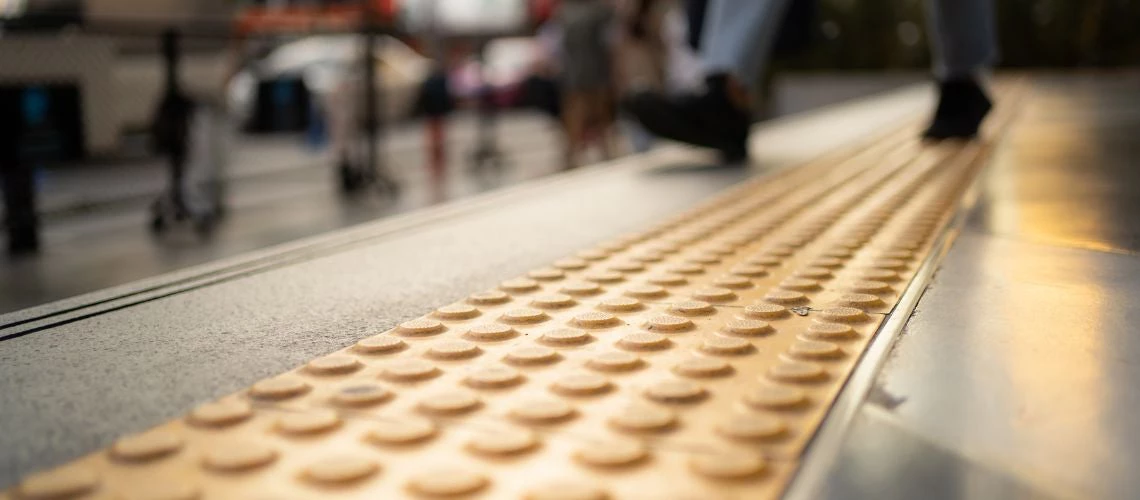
[[580, 288], [452, 349], [280, 387], [309, 422], [686, 268], [570, 264], [775, 397], [859, 300], [146, 446], [668, 323], [237, 456], [828, 262], [420, 327], [843, 315], [611, 453], [764, 260], [404, 431], [334, 364], [766, 311], [675, 391], [892, 264], [642, 417], [830, 331], [796, 372], [667, 280], [645, 291], [542, 410], [490, 332], [493, 377], [621, 304], [455, 312], [220, 413], [70, 481], [519, 285], [449, 402], [594, 254], [489, 298], [714, 294], [869, 287], [733, 282], [800, 284], [726, 346], [749, 271], [546, 274], [565, 337], [361, 394], [627, 267], [644, 341], [880, 275], [603, 276], [524, 316], [897, 254], [501, 441], [553, 301], [594, 319], [691, 308], [339, 470], [703, 259], [702, 367], [380, 344], [814, 349], [532, 356], [837, 253], [752, 426], [614, 361], [727, 466], [447, 482], [747, 327], [785, 297], [407, 370], [580, 384], [814, 273], [566, 490], [648, 257]]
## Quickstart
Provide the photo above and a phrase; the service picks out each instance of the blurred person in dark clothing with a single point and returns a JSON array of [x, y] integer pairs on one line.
[[586, 63], [736, 43]]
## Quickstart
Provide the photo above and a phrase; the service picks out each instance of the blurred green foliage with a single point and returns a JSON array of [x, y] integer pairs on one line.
[[884, 34]]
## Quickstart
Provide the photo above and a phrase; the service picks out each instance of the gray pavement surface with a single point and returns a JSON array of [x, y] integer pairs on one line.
[[95, 215], [74, 387]]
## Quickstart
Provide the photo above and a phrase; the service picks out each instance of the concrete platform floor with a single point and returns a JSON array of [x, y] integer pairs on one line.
[[95, 216]]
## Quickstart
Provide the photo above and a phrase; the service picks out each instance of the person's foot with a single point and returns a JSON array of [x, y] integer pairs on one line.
[[962, 105], [23, 241], [710, 119]]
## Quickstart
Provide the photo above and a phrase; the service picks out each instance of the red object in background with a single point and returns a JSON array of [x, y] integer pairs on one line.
[[291, 18], [542, 10]]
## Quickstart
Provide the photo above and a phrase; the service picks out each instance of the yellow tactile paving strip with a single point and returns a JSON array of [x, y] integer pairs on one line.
[[693, 360]]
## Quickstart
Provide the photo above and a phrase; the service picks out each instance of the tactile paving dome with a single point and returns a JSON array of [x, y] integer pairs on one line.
[[693, 360]]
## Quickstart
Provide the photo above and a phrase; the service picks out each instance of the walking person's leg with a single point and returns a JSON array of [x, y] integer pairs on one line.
[[964, 45], [735, 47]]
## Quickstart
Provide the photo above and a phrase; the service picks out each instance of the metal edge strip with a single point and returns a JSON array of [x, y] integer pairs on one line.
[[823, 449]]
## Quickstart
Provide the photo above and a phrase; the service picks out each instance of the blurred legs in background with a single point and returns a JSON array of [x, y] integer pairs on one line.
[[736, 45]]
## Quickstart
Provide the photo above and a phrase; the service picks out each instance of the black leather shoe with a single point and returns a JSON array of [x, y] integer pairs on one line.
[[708, 120], [962, 105]]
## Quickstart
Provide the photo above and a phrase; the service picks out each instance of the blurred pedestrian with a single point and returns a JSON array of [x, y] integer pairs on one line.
[[641, 55], [735, 46], [588, 104]]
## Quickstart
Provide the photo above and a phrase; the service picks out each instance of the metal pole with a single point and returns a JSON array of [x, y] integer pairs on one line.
[[371, 120]]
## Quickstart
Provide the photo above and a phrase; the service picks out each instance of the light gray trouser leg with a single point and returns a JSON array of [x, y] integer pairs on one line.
[[738, 36]]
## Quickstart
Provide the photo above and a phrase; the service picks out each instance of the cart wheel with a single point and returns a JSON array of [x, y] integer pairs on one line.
[[351, 179], [157, 224], [204, 225]]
